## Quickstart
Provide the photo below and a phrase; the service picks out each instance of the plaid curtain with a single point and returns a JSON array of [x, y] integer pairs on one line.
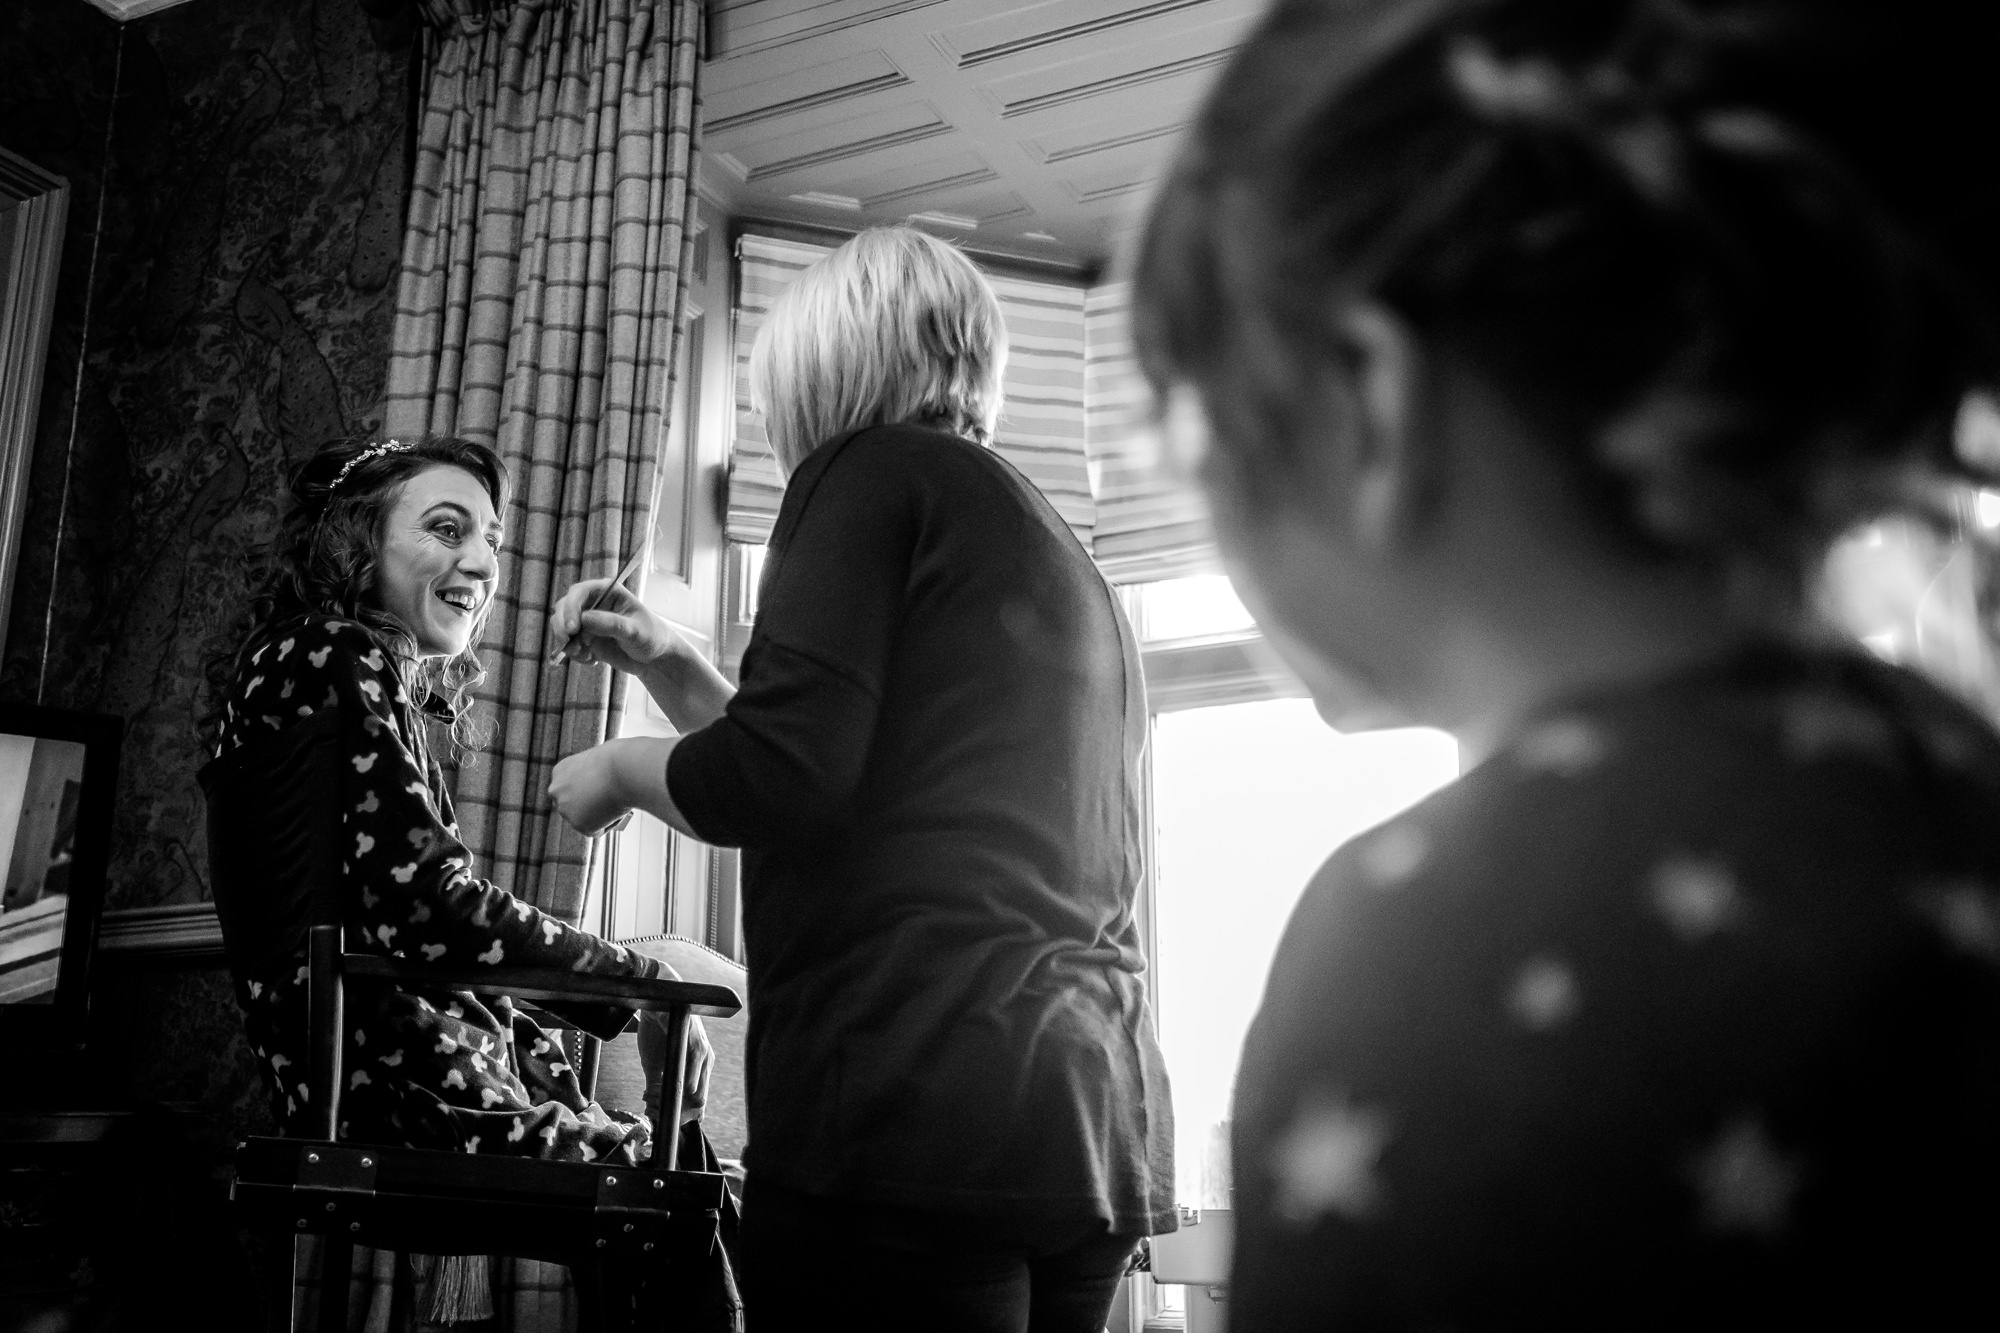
[[540, 304], [540, 307]]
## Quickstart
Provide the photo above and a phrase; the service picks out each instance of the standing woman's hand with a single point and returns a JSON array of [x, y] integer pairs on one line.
[[622, 633]]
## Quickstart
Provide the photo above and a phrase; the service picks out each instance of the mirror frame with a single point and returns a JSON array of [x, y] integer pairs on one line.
[[34, 207]]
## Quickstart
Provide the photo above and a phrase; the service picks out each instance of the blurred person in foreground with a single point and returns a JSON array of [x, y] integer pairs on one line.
[[958, 1115], [1529, 354]]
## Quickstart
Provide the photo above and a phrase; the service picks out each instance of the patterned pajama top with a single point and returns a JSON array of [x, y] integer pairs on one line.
[[1681, 1011], [430, 1068]]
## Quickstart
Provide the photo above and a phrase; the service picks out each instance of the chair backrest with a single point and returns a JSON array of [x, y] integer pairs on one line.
[[274, 835]]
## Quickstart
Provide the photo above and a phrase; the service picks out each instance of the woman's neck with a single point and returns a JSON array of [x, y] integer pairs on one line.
[[1588, 628]]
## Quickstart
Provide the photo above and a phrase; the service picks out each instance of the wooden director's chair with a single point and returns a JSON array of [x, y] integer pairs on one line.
[[274, 835]]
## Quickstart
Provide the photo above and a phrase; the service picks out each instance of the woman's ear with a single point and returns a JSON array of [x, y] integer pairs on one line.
[[1388, 456]]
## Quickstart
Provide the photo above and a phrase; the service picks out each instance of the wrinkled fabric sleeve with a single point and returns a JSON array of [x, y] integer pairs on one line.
[[785, 761], [406, 869]]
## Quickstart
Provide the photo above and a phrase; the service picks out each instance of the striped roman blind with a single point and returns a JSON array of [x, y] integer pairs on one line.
[[1149, 524], [1041, 418], [764, 268], [1041, 413]]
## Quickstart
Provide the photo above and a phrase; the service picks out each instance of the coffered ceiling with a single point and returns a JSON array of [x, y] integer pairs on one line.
[[1028, 128]]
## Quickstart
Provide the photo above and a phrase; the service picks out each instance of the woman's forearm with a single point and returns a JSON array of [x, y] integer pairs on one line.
[[642, 778], [688, 688]]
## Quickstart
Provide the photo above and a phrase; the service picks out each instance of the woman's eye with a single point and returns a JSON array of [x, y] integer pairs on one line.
[[446, 529]]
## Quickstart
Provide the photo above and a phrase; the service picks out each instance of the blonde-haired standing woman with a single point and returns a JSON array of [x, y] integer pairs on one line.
[[956, 1104]]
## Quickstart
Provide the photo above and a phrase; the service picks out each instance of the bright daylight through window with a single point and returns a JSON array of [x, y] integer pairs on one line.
[[1249, 797]]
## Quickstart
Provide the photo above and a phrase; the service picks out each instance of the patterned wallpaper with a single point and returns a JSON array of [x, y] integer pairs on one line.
[[251, 194], [248, 161]]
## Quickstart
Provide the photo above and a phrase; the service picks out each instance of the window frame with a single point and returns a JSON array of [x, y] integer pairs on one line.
[[1201, 671], [688, 582]]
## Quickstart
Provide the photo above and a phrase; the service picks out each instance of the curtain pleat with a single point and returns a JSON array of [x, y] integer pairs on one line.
[[539, 311]]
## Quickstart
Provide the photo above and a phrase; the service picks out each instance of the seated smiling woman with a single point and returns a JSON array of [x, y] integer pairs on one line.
[[381, 576], [1529, 354]]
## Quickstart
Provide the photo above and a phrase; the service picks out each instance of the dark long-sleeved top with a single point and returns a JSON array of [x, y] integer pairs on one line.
[[1681, 1011], [932, 767], [431, 1068]]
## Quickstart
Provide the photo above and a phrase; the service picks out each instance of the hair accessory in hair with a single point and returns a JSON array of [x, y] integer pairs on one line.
[[372, 451], [1531, 91], [1601, 109]]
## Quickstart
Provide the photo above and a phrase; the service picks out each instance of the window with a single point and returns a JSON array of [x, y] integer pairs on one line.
[[1248, 799], [648, 879], [1197, 608], [1250, 792], [1927, 597]]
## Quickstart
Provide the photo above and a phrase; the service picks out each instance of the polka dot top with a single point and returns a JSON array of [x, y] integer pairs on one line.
[[1680, 1011], [427, 1068]]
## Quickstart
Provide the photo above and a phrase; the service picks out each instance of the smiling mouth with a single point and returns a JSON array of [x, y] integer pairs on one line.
[[459, 600]]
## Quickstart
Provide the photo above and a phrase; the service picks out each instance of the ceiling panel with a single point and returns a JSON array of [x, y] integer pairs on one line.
[[1025, 129], [797, 91], [806, 143], [745, 27]]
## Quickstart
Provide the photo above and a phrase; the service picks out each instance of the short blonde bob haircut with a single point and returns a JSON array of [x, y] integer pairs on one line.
[[894, 326]]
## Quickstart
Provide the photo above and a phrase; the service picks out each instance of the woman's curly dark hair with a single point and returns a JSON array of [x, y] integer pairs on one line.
[[322, 561], [1736, 255]]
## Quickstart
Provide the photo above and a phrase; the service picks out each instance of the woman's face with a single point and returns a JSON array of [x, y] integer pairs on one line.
[[439, 564]]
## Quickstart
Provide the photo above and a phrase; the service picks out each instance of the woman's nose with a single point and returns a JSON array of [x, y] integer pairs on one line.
[[478, 561]]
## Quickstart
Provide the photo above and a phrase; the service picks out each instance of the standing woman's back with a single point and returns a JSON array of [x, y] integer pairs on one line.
[[941, 857]]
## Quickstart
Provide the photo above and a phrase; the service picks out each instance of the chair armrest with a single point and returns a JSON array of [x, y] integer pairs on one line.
[[551, 985]]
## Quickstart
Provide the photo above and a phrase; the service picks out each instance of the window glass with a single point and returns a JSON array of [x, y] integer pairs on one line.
[[1249, 799], [1926, 597], [1190, 608]]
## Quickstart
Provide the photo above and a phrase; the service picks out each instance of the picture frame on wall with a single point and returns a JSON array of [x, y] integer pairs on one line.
[[58, 790]]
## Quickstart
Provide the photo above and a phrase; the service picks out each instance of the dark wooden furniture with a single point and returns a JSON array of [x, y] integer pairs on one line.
[[274, 834], [113, 1219]]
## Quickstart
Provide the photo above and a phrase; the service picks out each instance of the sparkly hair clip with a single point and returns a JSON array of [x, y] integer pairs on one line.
[[372, 451]]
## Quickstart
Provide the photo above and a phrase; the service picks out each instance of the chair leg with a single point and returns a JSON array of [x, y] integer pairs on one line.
[[605, 1298], [280, 1273], [587, 1279], [623, 1313], [336, 1272]]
